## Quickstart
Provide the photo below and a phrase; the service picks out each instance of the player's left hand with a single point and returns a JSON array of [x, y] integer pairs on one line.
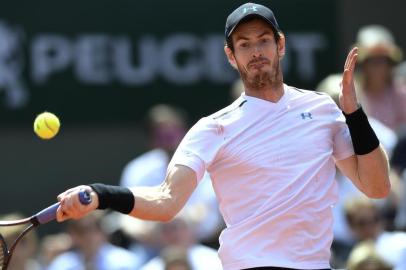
[[348, 98]]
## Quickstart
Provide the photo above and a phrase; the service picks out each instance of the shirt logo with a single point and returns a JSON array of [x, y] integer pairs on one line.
[[253, 8], [306, 115]]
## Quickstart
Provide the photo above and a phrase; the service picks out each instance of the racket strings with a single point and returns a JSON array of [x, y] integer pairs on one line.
[[3, 252]]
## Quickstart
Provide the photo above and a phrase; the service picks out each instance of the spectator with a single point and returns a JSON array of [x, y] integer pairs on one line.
[[52, 246], [378, 55], [175, 258], [179, 233], [91, 249], [365, 257], [366, 223]]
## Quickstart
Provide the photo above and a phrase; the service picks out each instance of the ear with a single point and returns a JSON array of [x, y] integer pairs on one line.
[[230, 56], [281, 46]]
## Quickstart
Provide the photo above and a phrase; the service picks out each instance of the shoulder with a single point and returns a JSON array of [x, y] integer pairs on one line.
[[214, 121], [229, 110]]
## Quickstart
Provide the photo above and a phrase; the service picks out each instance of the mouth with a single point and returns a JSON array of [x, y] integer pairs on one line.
[[257, 64]]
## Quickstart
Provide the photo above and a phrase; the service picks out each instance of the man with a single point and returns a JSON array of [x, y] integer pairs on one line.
[[380, 96], [367, 223], [364, 256], [270, 155]]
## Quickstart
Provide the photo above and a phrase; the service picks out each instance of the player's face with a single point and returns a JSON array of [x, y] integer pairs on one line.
[[257, 54]]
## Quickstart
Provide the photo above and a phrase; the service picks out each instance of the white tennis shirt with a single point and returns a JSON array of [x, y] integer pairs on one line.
[[272, 168]]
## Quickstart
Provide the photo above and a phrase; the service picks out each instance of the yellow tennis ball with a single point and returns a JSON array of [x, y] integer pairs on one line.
[[46, 125]]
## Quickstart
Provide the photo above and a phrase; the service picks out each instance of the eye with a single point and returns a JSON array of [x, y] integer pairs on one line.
[[264, 40], [244, 45]]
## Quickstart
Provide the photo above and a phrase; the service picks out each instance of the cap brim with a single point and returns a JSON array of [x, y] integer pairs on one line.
[[248, 16]]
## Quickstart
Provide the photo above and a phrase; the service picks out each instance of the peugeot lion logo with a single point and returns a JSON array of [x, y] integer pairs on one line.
[[11, 67]]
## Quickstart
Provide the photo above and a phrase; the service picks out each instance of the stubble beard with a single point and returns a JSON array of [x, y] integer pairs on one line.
[[262, 80]]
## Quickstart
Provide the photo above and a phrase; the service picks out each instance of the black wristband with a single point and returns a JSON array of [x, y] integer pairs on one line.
[[363, 136], [117, 198]]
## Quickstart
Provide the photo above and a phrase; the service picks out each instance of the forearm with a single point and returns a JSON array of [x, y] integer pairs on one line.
[[373, 173], [162, 203], [153, 203], [159, 203], [369, 167]]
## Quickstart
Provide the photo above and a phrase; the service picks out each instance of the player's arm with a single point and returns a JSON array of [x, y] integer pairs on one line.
[[163, 202], [368, 168], [369, 172], [160, 203]]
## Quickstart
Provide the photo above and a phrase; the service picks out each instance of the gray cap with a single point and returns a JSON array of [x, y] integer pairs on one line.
[[249, 10]]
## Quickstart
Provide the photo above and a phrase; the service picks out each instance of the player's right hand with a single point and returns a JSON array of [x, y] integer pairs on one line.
[[70, 205]]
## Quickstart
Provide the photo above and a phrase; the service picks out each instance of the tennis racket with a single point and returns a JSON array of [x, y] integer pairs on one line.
[[46, 215]]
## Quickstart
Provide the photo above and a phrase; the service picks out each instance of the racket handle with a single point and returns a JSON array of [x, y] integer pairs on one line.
[[49, 213], [84, 197]]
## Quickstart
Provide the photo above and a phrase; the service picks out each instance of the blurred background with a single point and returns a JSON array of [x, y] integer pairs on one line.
[[102, 65]]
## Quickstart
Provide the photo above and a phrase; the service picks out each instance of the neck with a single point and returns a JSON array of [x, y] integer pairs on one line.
[[272, 94]]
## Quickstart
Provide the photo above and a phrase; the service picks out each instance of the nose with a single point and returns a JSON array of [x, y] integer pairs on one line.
[[257, 51]]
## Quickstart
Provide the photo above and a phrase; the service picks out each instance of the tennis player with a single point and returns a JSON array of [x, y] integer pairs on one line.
[[271, 155]]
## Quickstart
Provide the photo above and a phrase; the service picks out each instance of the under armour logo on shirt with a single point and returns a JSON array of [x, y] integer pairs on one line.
[[306, 115], [253, 8]]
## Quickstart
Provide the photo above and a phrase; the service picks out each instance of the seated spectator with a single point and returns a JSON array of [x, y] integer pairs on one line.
[[91, 250], [53, 245], [180, 233], [175, 258], [365, 257], [380, 96], [366, 223]]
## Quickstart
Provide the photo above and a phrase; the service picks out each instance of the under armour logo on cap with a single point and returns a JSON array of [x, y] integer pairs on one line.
[[253, 8], [250, 9]]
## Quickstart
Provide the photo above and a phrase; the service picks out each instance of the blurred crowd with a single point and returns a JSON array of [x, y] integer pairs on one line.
[[369, 234]]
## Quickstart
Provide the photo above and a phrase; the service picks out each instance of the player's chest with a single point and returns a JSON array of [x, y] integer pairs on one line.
[[280, 141]]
